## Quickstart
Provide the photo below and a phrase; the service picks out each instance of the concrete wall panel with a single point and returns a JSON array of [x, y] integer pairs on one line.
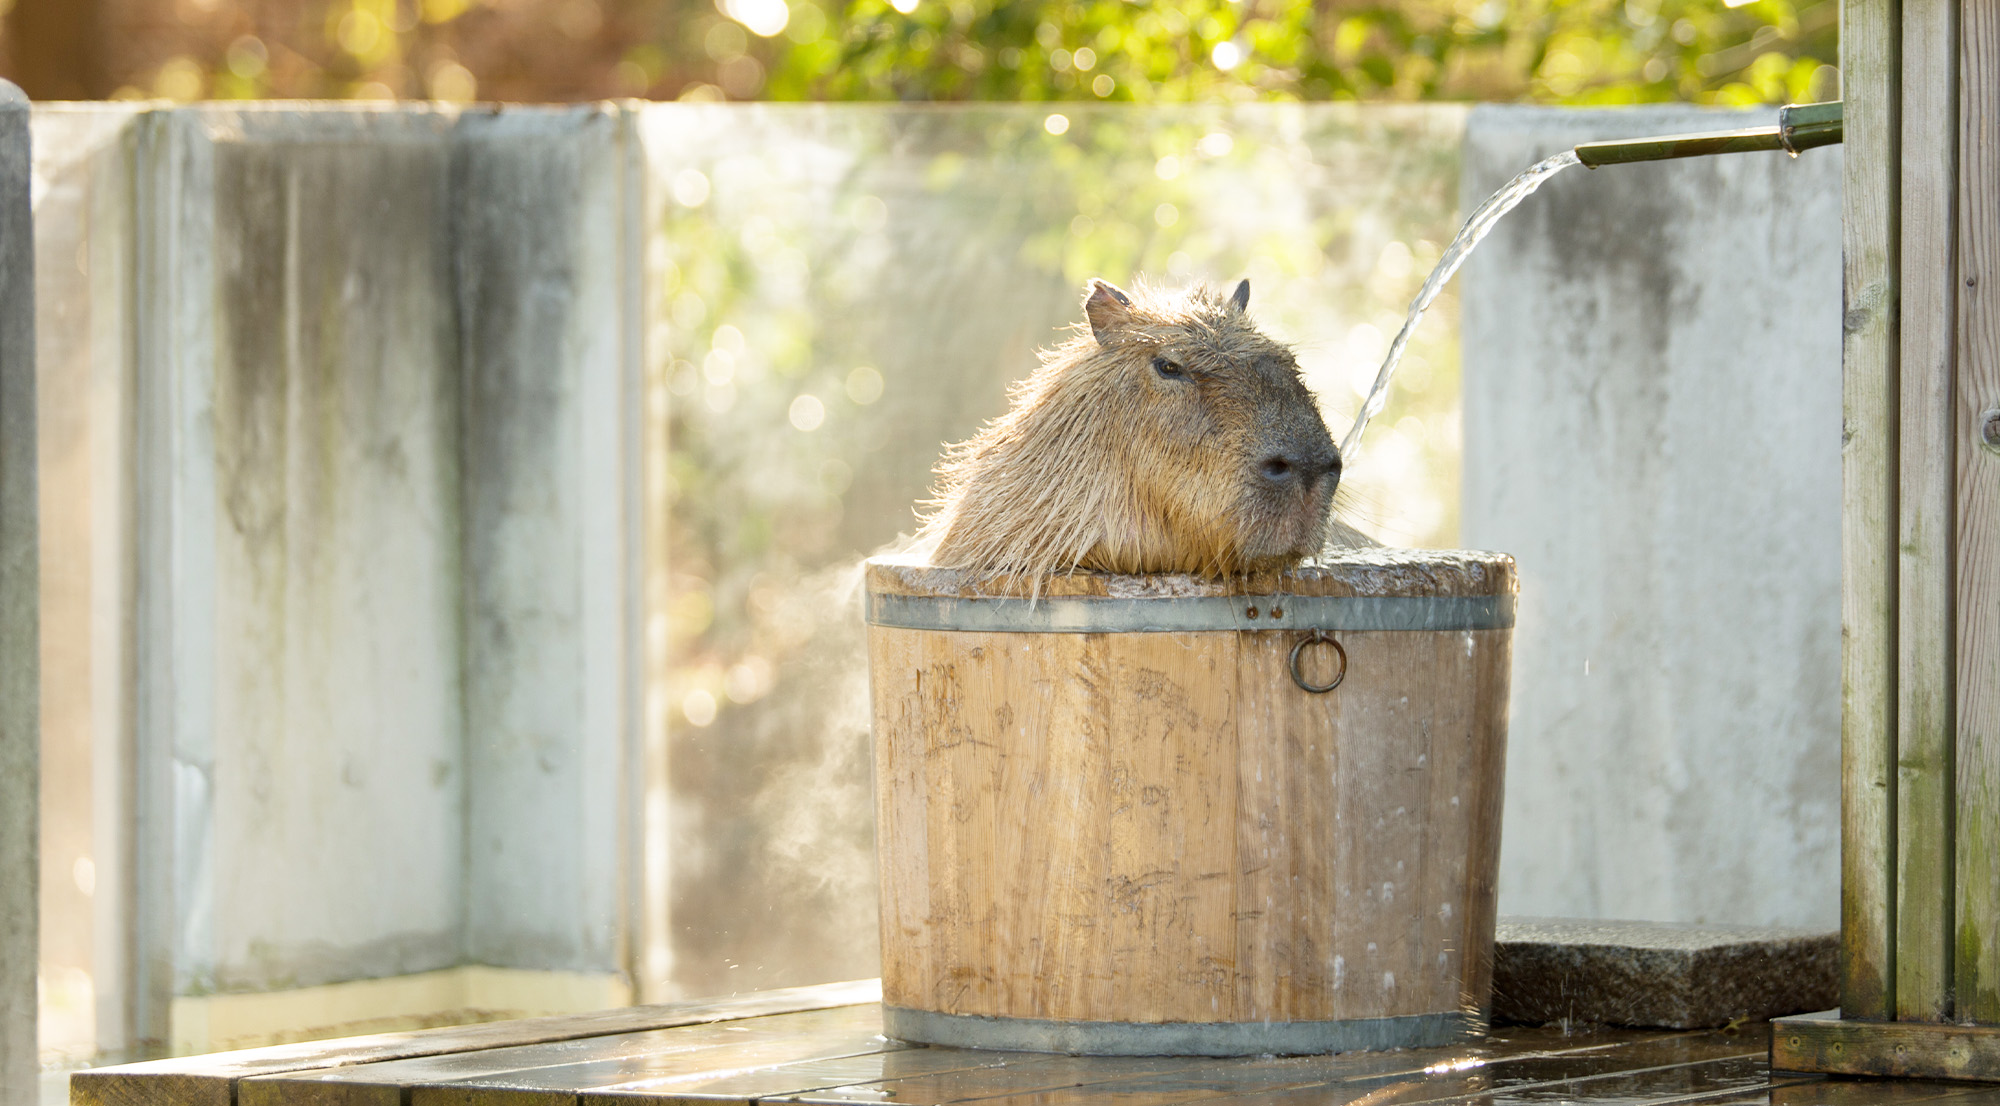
[[265, 360], [20, 600], [334, 413], [1652, 426], [547, 356]]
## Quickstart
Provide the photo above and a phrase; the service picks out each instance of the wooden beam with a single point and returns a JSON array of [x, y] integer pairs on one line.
[[1869, 55], [1925, 615], [1900, 1050], [1977, 419]]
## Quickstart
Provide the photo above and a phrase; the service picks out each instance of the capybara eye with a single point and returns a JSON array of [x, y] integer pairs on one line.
[[1169, 369]]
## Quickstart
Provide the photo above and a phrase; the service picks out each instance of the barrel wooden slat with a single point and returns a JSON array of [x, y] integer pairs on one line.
[[1381, 843], [1492, 683], [1274, 891], [1169, 822], [1091, 829]]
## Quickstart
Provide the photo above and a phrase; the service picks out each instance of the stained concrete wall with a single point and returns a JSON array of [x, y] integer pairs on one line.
[[358, 444], [544, 235], [309, 454], [1652, 426], [20, 599]]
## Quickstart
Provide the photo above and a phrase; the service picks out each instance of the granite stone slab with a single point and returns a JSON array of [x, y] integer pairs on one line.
[[1659, 974]]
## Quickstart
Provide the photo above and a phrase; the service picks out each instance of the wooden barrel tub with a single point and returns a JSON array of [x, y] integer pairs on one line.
[[1115, 820]]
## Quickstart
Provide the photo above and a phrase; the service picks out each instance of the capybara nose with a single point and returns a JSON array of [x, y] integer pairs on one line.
[[1285, 468]]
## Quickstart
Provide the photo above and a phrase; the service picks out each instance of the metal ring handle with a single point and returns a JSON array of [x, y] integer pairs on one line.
[[1299, 677]]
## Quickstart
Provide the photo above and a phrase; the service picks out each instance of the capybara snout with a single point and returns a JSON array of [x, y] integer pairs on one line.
[[1167, 436]]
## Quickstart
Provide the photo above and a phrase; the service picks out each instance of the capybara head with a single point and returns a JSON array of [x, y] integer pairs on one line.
[[1167, 436]]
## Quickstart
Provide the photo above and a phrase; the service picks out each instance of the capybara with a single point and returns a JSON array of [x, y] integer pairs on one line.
[[1167, 436]]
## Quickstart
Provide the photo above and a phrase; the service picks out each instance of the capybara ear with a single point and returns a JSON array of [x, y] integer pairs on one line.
[[1240, 299], [1108, 308]]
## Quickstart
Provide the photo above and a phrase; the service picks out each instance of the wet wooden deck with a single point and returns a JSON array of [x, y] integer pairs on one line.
[[823, 1046]]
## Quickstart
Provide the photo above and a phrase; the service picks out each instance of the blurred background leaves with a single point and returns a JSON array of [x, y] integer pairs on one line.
[[1551, 51], [840, 290]]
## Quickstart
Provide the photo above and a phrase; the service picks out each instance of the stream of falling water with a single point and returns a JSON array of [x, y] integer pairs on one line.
[[1477, 225]]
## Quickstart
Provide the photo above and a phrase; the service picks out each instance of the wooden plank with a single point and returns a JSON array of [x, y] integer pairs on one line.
[[1901, 1050], [738, 1062], [666, 1075], [859, 1070], [212, 1080], [1870, 65], [1534, 1056], [1702, 1079], [1978, 287], [1925, 643], [1872, 1092], [991, 1082], [720, 1045], [1637, 1074]]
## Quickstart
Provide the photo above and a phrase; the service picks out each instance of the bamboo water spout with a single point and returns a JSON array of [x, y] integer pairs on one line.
[[1800, 127]]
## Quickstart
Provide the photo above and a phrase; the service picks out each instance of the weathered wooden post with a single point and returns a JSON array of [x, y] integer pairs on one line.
[[1921, 520], [20, 600]]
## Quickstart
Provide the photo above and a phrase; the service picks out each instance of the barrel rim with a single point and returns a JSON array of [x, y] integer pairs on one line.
[[1108, 1038], [1177, 614], [1377, 571]]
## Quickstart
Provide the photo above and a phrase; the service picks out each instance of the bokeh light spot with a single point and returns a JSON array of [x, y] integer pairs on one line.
[[808, 412], [453, 83], [864, 385], [691, 188], [698, 707], [763, 17]]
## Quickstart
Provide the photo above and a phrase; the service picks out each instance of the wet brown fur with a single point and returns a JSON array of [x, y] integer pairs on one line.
[[1104, 460]]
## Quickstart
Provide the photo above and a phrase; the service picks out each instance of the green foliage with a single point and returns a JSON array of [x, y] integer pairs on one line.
[[1562, 51], [1174, 51]]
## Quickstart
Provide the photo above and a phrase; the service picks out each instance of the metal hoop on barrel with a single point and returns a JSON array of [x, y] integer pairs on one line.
[[1299, 677]]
